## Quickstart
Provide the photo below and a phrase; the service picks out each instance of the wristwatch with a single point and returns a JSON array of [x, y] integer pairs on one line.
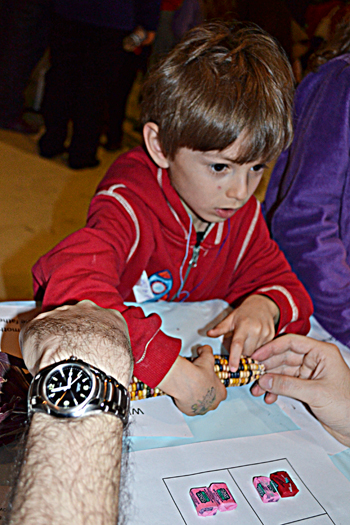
[[73, 389]]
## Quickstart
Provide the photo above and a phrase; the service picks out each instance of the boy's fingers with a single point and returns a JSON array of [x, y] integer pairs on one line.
[[236, 350], [199, 352], [224, 327], [243, 343], [205, 355], [205, 361]]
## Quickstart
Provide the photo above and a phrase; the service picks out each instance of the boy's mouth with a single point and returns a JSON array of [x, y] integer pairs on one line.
[[225, 213]]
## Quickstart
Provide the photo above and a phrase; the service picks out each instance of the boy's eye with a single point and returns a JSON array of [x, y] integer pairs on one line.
[[218, 168], [258, 167]]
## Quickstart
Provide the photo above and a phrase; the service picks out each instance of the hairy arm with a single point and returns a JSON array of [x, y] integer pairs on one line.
[[70, 472], [70, 469]]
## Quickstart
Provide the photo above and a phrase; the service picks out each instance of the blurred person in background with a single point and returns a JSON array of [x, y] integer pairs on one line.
[[308, 198], [86, 49], [24, 33]]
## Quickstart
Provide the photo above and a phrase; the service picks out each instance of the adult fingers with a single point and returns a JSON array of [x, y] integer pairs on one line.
[[289, 365], [301, 389], [257, 391], [270, 398], [287, 348]]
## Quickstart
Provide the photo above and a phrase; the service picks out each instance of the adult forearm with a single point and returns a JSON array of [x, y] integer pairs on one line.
[[70, 472], [71, 467]]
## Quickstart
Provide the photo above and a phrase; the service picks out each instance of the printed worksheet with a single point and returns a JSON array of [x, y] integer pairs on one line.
[[160, 482]]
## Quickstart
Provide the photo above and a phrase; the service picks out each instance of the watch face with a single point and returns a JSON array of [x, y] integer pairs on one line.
[[68, 386]]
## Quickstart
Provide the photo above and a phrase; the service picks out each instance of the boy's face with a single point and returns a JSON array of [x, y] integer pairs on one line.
[[212, 185]]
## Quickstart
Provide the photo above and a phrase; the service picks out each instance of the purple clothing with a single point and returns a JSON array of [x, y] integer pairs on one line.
[[189, 15], [308, 198]]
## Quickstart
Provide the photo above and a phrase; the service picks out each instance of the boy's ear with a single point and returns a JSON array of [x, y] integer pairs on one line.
[[151, 138]]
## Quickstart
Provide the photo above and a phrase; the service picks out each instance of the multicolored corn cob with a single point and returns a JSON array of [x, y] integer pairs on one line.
[[248, 371]]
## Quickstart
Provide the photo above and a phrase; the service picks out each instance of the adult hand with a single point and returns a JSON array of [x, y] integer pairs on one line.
[[251, 325], [97, 335], [195, 387], [311, 371]]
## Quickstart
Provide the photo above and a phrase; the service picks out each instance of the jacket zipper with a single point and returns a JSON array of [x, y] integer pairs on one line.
[[193, 261]]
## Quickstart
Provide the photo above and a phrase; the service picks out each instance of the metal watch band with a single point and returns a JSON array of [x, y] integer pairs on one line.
[[116, 399], [109, 395]]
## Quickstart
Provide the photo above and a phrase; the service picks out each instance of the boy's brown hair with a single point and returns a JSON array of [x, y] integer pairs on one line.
[[217, 83]]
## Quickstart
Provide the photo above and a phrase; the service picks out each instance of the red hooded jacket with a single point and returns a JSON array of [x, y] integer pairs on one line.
[[137, 223]]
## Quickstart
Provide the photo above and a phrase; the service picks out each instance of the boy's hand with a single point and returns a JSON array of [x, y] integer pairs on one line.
[[195, 387], [251, 325]]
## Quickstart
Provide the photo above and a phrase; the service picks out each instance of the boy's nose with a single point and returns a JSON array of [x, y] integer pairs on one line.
[[238, 189]]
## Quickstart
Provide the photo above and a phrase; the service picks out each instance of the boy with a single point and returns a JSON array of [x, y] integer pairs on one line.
[[179, 221]]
